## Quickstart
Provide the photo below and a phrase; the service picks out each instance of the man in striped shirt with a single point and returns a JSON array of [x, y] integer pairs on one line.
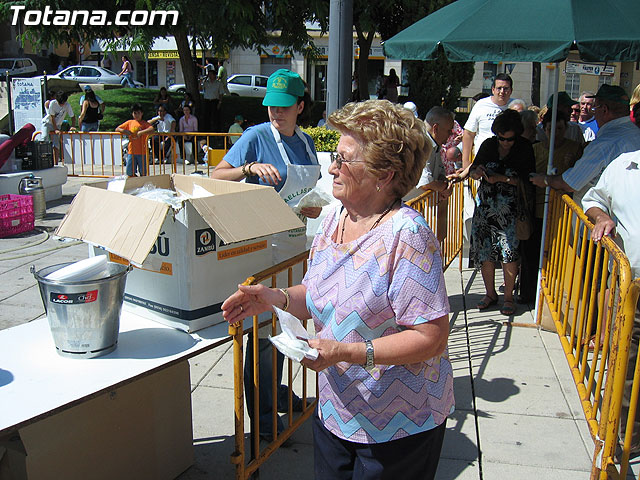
[[616, 135]]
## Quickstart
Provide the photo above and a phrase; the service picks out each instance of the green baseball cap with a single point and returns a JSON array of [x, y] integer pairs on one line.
[[283, 89], [613, 93], [564, 100]]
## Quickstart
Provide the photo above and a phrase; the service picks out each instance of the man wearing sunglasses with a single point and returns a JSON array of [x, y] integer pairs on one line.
[[478, 126]]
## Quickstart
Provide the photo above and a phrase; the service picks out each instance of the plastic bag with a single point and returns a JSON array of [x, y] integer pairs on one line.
[[291, 342], [163, 195], [317, 197]]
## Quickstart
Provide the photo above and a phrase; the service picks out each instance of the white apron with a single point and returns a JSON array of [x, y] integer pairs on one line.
[[300, 180]]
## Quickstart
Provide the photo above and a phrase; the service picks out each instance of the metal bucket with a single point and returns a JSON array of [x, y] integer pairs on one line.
[[84, 317]]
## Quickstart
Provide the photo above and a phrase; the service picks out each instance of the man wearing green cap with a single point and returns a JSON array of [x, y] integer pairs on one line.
[[276, 153], [616, 135], [573, 130]]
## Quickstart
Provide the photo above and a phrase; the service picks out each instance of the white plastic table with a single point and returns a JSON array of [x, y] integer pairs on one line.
[[37, 385]]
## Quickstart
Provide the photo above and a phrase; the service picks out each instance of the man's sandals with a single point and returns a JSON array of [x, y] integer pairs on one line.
[[486, 302]]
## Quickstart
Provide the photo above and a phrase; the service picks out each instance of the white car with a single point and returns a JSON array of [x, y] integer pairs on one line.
[[17, 67], [91, 74], [243, 85], [248, 85]]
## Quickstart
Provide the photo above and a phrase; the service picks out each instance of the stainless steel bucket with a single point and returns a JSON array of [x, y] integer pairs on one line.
[[84, 317]]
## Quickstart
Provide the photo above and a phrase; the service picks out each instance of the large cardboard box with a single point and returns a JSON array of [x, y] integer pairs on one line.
[[187, 260]]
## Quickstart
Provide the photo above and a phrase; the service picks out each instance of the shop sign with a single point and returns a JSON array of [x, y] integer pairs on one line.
[[589, 69]]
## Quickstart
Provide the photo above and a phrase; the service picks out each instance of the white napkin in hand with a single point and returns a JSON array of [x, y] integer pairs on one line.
[[288, 342], [317, 197]]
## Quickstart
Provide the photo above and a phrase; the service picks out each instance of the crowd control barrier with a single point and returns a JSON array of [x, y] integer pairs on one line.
[[102, 154], [590, 295], [282, 275]]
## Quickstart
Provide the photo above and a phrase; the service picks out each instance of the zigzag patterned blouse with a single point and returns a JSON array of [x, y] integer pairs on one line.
[[376, 285]]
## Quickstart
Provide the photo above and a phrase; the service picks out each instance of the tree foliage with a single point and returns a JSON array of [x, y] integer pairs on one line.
[[218, 26], [438, 82], [430, 82]]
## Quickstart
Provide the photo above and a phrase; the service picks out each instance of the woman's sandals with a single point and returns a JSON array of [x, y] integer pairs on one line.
[[487, 302]]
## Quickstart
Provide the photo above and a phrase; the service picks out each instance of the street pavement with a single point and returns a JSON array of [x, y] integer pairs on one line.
[[517, 410]]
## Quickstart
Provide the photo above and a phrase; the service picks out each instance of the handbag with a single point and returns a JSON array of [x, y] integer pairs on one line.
[[523, 217]]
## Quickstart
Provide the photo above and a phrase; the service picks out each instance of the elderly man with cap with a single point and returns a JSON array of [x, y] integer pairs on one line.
[[573, 131], [616, 135]]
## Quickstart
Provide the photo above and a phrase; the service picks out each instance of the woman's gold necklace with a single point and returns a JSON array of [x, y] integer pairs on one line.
[[375, 224]]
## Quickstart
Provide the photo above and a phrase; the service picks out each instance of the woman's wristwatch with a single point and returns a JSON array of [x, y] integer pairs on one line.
[[369, 346]]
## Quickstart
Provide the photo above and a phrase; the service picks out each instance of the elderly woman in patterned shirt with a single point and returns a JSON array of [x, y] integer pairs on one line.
[[376, 293]]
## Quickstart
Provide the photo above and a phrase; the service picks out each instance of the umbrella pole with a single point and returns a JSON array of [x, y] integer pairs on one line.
[[552, 141]]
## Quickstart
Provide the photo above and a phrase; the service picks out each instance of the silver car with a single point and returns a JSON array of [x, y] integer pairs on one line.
[[17, 66], [248, 85], [240, 84], [91, 74]]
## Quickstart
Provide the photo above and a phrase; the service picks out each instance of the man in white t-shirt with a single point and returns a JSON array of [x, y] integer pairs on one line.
[[478, 126]]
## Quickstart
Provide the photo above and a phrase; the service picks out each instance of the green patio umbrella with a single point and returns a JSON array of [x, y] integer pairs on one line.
[[524, 31]]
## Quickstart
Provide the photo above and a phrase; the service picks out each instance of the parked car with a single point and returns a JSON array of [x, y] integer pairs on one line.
[[248, 85], [24, 67], [91, 74], [240, 84]]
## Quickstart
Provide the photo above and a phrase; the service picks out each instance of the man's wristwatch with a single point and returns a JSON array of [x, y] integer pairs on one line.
[[546, 180], [369, 346]]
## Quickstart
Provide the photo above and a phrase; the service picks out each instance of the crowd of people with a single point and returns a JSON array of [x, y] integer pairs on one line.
[[390, 326]]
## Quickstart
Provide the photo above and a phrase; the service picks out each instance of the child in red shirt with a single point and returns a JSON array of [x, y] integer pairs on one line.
[[137, 130]]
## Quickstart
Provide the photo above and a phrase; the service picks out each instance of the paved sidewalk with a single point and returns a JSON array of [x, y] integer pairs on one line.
[[517, 410]]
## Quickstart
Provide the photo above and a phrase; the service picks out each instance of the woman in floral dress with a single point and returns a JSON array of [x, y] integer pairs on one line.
[[502, 161]]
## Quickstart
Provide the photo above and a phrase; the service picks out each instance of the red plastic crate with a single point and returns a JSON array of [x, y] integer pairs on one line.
[[16, 214]]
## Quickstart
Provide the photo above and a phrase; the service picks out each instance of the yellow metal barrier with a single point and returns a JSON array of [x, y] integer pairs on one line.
[[245, 469], [590, 295], [430, 205], [102, 154], [427, 204]]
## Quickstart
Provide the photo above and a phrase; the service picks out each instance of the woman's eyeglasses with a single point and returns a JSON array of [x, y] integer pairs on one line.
[[339, 159], [507, 139]]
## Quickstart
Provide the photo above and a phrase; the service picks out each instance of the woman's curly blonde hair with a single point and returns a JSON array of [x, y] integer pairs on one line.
[[391, 138]]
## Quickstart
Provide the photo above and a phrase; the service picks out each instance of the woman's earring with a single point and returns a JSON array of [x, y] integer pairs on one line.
[[377, 188]]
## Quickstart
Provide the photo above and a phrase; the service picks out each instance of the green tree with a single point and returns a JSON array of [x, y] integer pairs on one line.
[[219, 26], [438, 82], [429, 82]]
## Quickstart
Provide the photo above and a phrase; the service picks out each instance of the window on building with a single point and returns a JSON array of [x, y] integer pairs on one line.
[[270, 64], [602, 79], [153, 72], [488, 75], [572, 85]]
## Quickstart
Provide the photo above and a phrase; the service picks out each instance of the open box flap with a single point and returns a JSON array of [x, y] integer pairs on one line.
[[246, 214], [123, 224]]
